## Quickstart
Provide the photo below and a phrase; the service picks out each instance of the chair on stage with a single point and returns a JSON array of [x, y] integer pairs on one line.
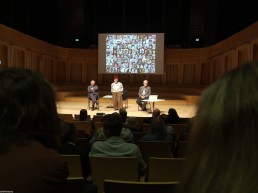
[[125, 98], [90, 101]]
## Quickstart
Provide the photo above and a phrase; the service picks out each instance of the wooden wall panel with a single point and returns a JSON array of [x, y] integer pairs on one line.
[[75, 72], [243, 54], [172, 73], [4, 54], [205, 73], [254, 49], [33, 60], [18, 56], [46, 67], [189, 74], [60, 72], [193, 67]]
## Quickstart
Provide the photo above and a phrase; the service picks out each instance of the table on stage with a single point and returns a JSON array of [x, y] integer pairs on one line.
[[153, 102], [109, 97]]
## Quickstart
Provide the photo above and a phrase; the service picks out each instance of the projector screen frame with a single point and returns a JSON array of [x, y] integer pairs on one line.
[[131, 53]]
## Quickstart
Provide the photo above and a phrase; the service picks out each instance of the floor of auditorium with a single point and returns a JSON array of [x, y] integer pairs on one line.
[[73, 105]]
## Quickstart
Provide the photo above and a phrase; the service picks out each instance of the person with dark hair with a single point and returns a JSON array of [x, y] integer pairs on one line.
[[133, 124], [69, 146], [115, 146], [126, 133], [173, 117], [223, 154], [123, 114], [164, 117], [29, 134], [158, 131], [155, 113], [93, 94], [143, 94], [83, 115]]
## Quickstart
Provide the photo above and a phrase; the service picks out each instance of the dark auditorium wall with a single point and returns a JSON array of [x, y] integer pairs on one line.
[[73, 68]]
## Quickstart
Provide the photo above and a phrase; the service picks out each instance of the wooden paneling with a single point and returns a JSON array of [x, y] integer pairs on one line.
[[189, 68]]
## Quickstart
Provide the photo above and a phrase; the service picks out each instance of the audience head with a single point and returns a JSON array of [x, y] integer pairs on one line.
[[123, 114], [28, 109], [157, 127], [68, 132], [132, 123], [156, 113], [83, 115], [164, 117], [112, 124], [173, 117], [223, 153]]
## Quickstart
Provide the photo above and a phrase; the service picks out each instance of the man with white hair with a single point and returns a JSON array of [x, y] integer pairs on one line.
[[144, 93]]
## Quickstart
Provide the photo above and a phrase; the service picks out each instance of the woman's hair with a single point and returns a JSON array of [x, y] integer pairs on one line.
[[222, 155], [157, 127], [173, 117], [27, 109], [68, 132], [83, 115]]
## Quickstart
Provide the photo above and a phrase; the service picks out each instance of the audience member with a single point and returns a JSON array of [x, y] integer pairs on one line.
[[143, 94], [173, 117], [123, 114], [69, 146], [132, 123], [117, 90], [115, 145], [157, 132], [99, 135], [164, 117], [223, 153], [29, 133], [83, 116], [155, 113]]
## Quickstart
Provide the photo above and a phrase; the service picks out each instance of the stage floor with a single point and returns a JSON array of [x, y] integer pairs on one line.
[[74, 107]]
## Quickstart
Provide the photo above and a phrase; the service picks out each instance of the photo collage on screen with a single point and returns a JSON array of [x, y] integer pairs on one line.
[[131, 53]]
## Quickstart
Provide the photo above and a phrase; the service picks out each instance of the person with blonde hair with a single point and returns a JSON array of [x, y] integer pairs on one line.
[[222, 153]]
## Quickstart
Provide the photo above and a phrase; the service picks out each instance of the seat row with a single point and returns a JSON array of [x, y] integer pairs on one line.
[[109, 170]]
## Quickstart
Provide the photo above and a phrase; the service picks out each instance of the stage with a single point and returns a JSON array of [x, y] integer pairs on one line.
[[73, 105]]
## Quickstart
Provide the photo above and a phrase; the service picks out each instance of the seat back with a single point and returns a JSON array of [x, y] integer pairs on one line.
[[83, 125], [115, 168], [66, 117], [119, 186], [181, 149], [155, 149], [165, 169], [74, 166]]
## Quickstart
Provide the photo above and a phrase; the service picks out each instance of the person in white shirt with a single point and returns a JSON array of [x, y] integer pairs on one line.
[[117, 90]]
